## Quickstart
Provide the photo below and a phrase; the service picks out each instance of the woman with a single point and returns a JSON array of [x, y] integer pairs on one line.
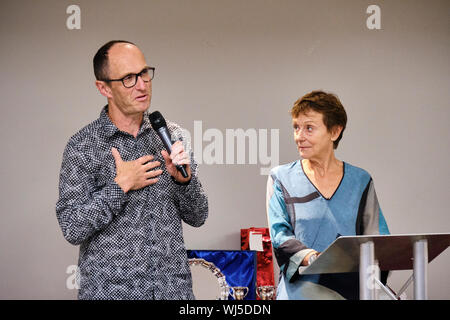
[[313, 201]]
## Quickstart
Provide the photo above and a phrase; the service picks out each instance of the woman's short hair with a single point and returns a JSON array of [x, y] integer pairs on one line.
[[328, 105]]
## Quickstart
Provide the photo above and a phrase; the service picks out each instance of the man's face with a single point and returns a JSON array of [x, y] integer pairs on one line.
[[124, 59]]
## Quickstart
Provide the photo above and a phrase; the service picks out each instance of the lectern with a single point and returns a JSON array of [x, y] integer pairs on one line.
[[370, 254]]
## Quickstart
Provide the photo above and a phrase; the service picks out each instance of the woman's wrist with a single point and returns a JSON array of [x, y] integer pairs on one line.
[[307, 258]]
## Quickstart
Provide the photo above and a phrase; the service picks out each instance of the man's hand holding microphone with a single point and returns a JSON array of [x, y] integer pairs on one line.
[[139, 173]]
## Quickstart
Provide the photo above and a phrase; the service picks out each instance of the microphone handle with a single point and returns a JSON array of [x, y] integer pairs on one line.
[[165, 138]]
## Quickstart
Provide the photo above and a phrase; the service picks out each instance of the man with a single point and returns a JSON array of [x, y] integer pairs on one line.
[[121, 197]]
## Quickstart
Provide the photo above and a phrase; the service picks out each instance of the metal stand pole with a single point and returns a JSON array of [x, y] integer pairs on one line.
[[420, 269], [405, 286], [366, 265], [376, 275]]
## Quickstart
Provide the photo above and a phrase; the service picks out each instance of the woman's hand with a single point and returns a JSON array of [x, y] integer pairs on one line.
[[305, 261]]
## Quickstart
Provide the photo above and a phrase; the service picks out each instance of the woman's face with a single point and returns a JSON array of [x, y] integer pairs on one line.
[[312, 137]]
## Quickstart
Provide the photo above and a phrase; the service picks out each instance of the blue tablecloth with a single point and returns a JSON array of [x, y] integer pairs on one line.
[[239, 267]]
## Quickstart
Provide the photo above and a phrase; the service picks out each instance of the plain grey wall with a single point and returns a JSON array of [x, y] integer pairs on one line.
[[230, 64]]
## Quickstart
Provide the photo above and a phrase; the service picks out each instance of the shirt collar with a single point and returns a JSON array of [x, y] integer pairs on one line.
[[110, 128], [107, 125]]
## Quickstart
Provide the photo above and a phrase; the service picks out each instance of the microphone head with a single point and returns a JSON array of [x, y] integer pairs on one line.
[[157, 120]]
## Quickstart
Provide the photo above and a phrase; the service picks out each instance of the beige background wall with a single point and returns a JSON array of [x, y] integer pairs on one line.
[[230, 64]]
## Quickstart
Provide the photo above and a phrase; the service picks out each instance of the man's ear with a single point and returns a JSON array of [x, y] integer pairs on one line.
[[335, 132], [103, 88]]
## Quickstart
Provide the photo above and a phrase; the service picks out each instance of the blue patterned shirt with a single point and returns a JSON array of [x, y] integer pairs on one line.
[[131, 244]]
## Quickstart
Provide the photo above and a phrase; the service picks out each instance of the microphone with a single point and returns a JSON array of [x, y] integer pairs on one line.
[[159, 125]]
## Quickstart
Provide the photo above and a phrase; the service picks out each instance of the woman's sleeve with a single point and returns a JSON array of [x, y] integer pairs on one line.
[[289, 251], [370, 219]]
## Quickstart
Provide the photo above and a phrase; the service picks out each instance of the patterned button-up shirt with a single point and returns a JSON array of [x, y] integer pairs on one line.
[[131, 244]]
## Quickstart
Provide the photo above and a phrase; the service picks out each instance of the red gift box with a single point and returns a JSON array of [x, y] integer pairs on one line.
[[264, 259]]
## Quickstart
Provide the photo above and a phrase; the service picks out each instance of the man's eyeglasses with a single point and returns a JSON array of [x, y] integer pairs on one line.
[[130, 80]]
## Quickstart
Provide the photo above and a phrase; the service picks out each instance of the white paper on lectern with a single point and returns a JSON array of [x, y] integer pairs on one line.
[[256, 241]]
